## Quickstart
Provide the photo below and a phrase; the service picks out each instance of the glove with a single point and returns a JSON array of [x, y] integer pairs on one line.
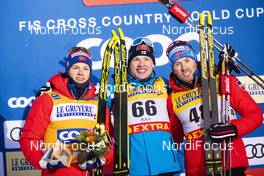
[[220, 132], [43, 89], [88, 161], [90, 164], [229, 51], [54, 164], [50, 162], [232, 54]]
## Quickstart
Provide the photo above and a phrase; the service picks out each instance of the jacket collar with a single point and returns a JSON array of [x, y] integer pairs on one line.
[[60, 84], [179, 86]]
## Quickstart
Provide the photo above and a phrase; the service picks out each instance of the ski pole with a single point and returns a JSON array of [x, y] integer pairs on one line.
[[226, 107], [223, 114], [227, 71], [183, 16]]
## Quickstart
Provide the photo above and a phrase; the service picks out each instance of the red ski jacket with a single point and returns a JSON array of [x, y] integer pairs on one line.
[[38, 120], [251, 117]]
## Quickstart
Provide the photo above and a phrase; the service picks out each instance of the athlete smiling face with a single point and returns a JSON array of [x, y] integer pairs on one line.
[[80, 72], [184, 69], [141, 67]]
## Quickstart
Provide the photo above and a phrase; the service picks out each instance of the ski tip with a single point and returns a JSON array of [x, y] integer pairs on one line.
[[201, 18], [114, 33], [121, 33], [209, 18]]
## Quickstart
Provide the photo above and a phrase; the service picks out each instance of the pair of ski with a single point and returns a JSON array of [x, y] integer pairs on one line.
[[116, 46], [208, 80], [213, 159], [209, 92]]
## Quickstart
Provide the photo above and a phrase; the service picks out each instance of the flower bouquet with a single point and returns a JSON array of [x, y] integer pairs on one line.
[[96, 142]]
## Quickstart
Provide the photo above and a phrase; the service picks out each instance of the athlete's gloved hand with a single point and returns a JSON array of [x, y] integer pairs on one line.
[[53, 164], [88, 161], [50, 162], [231, 54], [220, 132], [43, 89], [90, 164]]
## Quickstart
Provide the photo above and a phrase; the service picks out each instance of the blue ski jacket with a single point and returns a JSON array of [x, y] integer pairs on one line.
[[149, 128]]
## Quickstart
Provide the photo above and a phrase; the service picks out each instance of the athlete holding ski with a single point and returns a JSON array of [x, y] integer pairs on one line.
[[148, 119], [59, 114], [185, 107]]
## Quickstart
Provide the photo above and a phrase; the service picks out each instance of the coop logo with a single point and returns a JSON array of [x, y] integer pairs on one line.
[[20, 102], [160, 39], [69, 135], [12, 130], [255, 150]]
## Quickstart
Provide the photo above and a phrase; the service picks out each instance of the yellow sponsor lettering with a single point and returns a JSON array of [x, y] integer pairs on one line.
[[159, 126], [152, 126], [129, 130], [147, 127], [196, 134], [188, 136], [144, 127], [166, 126], [136, 129]]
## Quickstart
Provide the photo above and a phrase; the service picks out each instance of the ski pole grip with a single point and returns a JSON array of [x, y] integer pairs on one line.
[[179, 13], [225, 85]]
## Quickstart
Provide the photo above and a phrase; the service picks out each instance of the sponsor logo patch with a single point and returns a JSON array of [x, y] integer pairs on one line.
[[12, 132], [69, 135]]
